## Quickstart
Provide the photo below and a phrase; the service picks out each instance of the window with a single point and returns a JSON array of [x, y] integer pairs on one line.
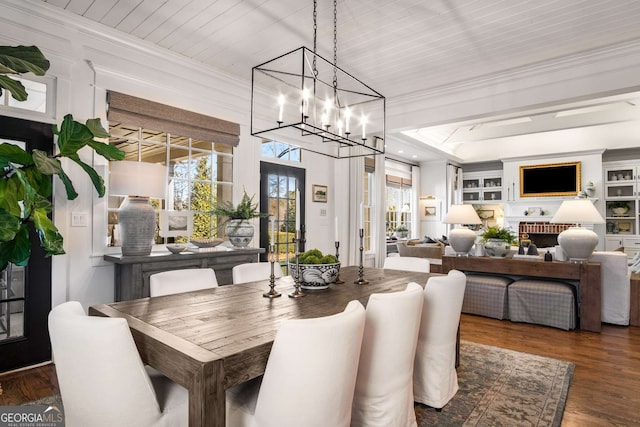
[[39, 100], [399, 193], [197, 150], [200, 175], [367, 185], [279, 150]]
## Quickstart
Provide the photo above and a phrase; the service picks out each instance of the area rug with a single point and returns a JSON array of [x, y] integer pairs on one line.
[[501, 387], [498, 387]]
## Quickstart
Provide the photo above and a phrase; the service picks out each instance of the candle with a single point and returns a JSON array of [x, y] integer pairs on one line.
[[297, 210], [305, 101], [361, 216], [347, 116], [339, 124], [281, 104], [272, 238], [363, 121], [336, 230]]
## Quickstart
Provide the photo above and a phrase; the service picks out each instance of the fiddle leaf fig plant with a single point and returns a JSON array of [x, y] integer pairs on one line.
[[25, 187], [25, 177]]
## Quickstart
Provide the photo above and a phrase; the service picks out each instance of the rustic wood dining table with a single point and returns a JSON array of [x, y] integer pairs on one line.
[[210, 340]]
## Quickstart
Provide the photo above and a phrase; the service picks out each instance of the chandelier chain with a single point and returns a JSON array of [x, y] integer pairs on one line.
[[335, 44], [315, 36]]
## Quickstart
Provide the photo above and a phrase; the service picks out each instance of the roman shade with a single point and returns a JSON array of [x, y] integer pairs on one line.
[[152, 115]]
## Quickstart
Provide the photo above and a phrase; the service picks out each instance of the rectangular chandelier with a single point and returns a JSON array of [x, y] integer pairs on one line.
[[302, 99]]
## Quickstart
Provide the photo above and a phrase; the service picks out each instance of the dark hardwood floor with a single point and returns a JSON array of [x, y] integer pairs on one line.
[[604, 391]]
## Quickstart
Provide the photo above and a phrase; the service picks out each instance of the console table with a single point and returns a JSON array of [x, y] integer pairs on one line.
[[132, 272], [588, 274]]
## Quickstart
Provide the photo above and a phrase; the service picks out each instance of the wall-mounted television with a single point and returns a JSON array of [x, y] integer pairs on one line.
[[554, 179]]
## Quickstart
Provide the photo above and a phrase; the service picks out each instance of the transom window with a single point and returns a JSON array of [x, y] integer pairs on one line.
[[280, 150], [40, 96]]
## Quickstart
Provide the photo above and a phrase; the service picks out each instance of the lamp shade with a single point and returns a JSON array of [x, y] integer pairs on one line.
[[578, 211], [130, 178], [462, 214], [136, 217]]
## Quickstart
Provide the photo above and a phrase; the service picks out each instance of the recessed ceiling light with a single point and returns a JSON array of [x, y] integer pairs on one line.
[[414, 156], [400, 151]]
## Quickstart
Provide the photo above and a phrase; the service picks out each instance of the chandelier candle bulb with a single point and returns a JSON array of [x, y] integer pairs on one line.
[[305, 103], [336, 229], [281, 107], [363, 121], [347, 116]]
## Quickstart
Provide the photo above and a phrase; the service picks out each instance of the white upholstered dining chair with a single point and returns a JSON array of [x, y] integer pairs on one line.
[[102, 379], [435, 380], [184, 280], [310, 375], [407, 263], [254, 271], [384, 387]]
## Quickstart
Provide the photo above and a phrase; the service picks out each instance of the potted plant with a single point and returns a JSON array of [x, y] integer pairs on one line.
[[25, 187], [238, 228], [497, 241], [619, 208], [402, 231], [317, 271]]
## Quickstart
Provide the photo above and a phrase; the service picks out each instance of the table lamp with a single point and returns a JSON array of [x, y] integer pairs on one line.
[[137, 181], [577, 242], [462, 239]]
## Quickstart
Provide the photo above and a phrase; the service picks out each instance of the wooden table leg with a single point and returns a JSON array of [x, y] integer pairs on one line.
[[207, 397], [590, 298]]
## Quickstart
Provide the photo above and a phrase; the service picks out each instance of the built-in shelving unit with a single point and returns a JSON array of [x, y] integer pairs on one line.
[[482, 187], [622, 206]]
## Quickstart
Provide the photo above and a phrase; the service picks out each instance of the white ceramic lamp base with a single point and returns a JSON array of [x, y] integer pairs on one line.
[[462, 240], [578, 243]]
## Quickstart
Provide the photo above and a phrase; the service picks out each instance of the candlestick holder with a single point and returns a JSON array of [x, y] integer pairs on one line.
[[272, 279], [338, 280], [361, 280], [297, 293]]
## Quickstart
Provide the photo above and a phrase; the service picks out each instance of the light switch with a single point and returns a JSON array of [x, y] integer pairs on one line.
[[323, 212], [79, 219]]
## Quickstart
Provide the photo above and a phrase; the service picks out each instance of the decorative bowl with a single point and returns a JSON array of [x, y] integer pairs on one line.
[[316, 276], [207, 243], [176, 249]]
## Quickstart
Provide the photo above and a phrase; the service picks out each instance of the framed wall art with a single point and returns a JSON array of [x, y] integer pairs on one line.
[[431, 210], [176, 223], [320, 193]]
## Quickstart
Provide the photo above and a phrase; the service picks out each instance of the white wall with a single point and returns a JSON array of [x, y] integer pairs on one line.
[[433, 183]]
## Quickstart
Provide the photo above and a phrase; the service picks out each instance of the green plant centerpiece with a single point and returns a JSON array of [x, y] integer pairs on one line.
[[618, 208], [497, 241], [238, 228], [25, 177], [317, 271]]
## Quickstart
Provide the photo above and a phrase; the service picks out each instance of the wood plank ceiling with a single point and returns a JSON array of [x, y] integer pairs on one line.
[[398, 47]]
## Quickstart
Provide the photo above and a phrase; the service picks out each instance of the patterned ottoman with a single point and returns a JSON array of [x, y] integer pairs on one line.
[[486, 295], [543, 302]]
